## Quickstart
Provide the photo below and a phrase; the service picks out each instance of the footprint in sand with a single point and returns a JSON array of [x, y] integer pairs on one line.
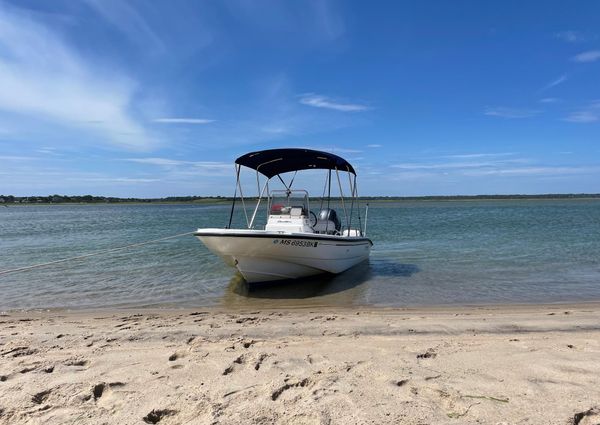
[[260, 361], [250, 320], [19, 352], [41, 397], [156, 415], [101, 390], [295, 384], [76, 362], [429, 354], [588, 417], [27, 369], [98, 390], [244, 359], [230, 368]]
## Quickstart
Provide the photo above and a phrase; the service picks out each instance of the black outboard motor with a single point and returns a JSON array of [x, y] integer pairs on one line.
[[328, 222]]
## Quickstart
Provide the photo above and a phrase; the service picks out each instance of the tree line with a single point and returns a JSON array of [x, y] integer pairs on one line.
[[90, 199]]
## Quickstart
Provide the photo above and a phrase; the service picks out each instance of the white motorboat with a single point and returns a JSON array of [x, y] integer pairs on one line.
[[295, 242]]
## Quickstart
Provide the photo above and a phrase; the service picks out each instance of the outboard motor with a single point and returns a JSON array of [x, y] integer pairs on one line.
[[328, 222]]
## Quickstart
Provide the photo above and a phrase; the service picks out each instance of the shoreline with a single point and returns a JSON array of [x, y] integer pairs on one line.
[[239, 309], [226, 202], [493, 364]]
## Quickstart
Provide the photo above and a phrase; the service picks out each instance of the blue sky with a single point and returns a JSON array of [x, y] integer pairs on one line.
[[152, 99]]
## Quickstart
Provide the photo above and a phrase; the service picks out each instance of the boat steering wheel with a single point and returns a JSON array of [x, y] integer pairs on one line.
[[313, 215]]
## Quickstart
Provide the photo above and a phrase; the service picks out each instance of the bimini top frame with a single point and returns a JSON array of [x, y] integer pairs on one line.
[[273, 162]]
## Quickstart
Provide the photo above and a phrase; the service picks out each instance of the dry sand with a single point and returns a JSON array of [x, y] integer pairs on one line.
[[492, 365]]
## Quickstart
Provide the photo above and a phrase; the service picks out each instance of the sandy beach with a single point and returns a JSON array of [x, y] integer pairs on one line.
[[490, 365]]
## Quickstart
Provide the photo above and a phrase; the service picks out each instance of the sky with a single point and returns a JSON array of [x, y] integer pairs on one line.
[[158, 98]]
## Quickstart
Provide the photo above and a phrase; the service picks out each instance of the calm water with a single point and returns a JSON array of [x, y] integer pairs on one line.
[[425, 253]]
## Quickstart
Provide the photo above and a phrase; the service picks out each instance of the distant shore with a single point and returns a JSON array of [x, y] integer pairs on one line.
[[9, 200], [497, 364]]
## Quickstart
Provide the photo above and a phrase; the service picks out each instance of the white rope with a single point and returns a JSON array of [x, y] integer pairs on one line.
[[91, 254]]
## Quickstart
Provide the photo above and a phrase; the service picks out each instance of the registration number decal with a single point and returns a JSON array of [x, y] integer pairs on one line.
[[295, 242]]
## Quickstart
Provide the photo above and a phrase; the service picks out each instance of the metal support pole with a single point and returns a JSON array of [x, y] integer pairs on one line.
[[366, 214], [357, 205], [237, 179], [342, 197], [258, 204], [243, 201]]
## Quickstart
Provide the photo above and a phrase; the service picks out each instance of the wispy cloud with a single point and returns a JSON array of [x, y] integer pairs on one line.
[[480, 155], [156, 161], [334, 149], [43, 79], [570, 36], [549, 100], [454, 165], [374, 145], [589, 56], [492, 167], [503, 112], [319, 101], [125, 18], [184, 120], [193, 167], [312, 21], [18, 158], [590, 113], [555, 82], [534, 171], [118, 179]]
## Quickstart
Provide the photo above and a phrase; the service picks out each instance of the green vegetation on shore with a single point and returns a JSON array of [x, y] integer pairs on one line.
[[89, 199]]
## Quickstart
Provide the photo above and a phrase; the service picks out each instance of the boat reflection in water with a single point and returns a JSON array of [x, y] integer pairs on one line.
[[346, 289]]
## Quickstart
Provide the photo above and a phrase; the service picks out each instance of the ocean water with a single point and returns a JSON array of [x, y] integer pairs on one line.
[[424, 253]]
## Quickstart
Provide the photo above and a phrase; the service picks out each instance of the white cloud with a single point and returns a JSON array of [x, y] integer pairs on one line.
[[503, 112], [319, 101], [555, 82], [183, 120], [589, 114], [44, 79], [375, 145], [589, 56], [549, 100]]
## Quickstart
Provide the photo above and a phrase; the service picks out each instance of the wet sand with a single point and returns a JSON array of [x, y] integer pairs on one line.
[[490, 365]]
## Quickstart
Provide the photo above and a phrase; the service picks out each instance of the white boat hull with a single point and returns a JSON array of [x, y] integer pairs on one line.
[[262, 256]]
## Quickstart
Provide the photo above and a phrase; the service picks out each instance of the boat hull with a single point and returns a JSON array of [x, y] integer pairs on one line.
[[262, 256]]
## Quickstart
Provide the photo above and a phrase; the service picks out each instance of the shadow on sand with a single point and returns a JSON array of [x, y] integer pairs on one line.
[[321, 285]]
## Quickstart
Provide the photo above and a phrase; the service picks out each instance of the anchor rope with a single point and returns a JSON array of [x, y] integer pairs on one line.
[[91, 254]]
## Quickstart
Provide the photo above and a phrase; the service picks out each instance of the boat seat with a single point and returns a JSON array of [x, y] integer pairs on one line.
[[297, 211], [325, 227]]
